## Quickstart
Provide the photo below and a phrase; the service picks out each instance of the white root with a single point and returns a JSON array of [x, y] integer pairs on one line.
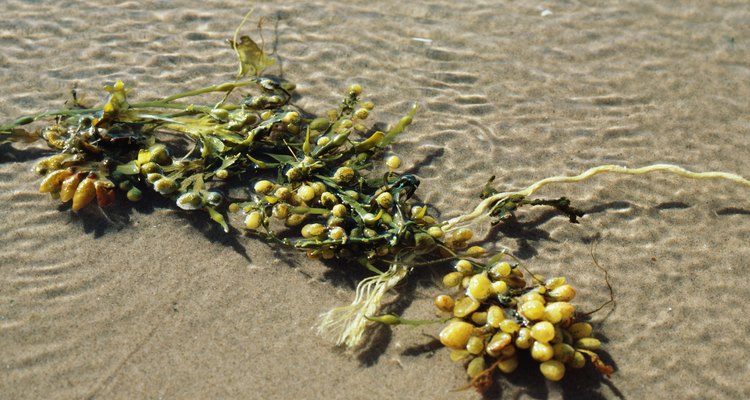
[[483, 208], [346, 325]]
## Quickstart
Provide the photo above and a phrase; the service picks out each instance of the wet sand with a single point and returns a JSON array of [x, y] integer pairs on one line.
[[150, 302]]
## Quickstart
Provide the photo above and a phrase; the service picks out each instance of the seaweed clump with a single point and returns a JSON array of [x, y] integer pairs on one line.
[[320, 184], [496, 313]]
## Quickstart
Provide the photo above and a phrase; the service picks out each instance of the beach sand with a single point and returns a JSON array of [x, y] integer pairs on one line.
[[150, 302]]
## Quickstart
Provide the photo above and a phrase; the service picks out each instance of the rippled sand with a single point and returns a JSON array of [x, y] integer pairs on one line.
[[156, 303]]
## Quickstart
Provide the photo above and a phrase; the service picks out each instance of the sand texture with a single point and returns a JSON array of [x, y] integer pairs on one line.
[[150, 302]]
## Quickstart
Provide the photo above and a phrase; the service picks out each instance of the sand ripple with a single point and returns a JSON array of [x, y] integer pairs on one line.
[[157, 306]]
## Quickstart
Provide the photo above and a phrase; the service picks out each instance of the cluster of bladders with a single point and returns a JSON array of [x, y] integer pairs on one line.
[[337, 221], [495, 313], [80, 186]]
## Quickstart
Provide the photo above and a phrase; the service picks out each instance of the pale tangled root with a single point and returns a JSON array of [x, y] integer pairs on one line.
[[481, 212], [346, 325]]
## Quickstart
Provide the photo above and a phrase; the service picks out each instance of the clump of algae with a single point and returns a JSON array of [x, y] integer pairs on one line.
[[320, 184]]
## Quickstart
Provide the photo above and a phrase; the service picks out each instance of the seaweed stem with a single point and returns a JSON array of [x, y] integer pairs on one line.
[[487, 204]]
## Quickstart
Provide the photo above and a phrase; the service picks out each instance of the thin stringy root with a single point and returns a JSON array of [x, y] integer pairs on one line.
[[346, 325], [481, 212]]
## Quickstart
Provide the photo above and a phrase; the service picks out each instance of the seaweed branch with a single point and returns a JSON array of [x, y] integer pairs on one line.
[[496, 200]]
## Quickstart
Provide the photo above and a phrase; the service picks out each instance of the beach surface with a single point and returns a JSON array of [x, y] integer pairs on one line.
[[146, 301]]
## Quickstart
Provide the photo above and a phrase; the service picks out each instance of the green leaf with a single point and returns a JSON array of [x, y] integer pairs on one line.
[[130, 168], [116, 104], [496, 258], [251, 57], [117, 98], [488, 190], [370, 142], [18, 135], [398, 128], [196, 180], [282, 158], [218, 217], [144, 156], [227, 162], [261, 164], [212, 146], [306, 145]]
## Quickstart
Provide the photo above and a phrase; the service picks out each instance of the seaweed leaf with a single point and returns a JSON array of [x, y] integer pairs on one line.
[[306, 144], [398, 128], [212, 146], [229, 161], [282, 158], [116, 106], [251, 57], [488, 190], [130, 168], [249, 54], [19, 135], [261, 164], [218, 218], [196, 180]]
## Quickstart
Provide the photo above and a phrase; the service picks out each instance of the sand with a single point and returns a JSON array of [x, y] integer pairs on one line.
[[155, 303]]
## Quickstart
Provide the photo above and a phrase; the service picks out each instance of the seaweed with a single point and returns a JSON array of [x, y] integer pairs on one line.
[[320, 184]]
